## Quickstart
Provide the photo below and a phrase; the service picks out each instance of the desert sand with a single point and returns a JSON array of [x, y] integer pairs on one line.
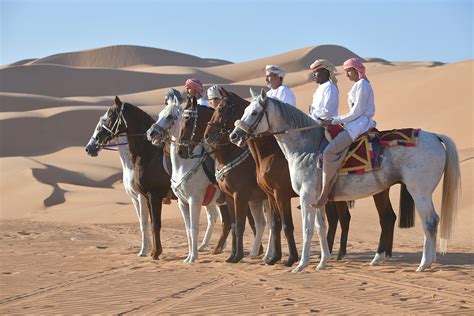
[[69, 233]]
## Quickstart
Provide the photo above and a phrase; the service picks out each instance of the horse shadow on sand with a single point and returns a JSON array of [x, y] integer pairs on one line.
[[53, 175]]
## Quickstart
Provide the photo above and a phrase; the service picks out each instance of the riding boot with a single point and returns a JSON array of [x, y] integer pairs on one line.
[[333, 157]]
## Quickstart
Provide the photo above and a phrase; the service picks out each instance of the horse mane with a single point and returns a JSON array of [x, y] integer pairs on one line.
[[141, 117], [291, 114], [240, 101]]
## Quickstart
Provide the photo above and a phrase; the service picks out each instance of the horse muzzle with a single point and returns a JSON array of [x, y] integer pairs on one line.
[[238, 137], [92, 148]]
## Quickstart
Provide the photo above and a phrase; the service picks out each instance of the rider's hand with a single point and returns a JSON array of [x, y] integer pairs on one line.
[[325, 121]]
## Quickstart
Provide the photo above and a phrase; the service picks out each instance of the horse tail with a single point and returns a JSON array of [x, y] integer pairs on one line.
[[451, 191], [407, 208]]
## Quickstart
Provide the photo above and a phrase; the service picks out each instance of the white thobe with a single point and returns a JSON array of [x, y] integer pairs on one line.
[[362, 109]]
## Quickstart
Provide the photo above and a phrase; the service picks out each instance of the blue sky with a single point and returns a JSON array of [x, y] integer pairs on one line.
[[403, 30]]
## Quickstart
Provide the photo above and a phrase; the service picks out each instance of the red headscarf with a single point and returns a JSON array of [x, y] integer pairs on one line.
[[195, 84], [357, 65]]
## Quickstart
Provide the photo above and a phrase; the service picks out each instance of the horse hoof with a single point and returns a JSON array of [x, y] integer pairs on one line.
[[340, 256], [290, 261], [423, 267], [217, 251], [272, 261], [298, 269], [141, 254], [230, 259], [321, 266], [202, 248]]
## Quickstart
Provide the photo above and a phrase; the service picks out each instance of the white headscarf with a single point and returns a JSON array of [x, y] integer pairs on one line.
[[213, 92], [274, 69]]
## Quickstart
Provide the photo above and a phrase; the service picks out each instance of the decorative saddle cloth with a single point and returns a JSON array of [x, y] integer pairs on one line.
[[366, 152]]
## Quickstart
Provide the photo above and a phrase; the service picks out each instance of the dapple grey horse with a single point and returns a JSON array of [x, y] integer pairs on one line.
[[420, 168]]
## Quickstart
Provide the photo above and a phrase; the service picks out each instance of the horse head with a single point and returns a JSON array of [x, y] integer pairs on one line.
[[251, 123], [167, 122], [195, 118], [230, 108], [110, 126]]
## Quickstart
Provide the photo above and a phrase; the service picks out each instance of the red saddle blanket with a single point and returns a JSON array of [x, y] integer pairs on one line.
[[365, 154]]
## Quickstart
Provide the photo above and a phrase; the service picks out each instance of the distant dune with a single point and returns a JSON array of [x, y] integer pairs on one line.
[[120, 56]]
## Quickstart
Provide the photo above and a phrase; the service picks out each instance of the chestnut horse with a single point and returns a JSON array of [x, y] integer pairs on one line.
[[274, 178], [236, 179]]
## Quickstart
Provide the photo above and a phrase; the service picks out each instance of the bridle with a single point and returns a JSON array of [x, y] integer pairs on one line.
[[188, 114], [250, 130], [222, 127], [113, 131]]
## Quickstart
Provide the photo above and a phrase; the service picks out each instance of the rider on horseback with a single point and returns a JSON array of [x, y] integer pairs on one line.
[[274, 77], [195, 89], [358, 121]]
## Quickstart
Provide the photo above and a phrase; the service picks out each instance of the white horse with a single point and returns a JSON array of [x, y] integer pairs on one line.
[[138, 200], [420, 168], [189, 181]]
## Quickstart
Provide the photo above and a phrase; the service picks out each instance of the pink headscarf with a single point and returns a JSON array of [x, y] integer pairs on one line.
[[195, 84], [357, 65]]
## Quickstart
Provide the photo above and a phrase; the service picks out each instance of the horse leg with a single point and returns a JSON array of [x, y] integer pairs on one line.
[[283, 202], [268, 210], [141, 206], [212, 214], [345, 219], [387, 218], [194, 213], [256, 208], [241, 207], [184, 208], [333, 218], [232, 215], [155, 206], [430, 221], [321, 230], [307, 216], [274, 246], [225, 219]]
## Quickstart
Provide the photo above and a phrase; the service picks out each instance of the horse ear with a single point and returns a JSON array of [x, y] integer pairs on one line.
[[263, 93], [223, 92], [253, 93], [117, 101], [175, 100]]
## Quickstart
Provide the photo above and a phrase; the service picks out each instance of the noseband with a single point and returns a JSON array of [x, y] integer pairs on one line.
[[223, 130], [114, 130]]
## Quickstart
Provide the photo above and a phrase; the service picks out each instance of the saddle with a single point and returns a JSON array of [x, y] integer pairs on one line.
[[366, 152]]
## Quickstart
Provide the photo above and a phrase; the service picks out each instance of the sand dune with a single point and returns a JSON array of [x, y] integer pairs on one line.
[[69, 232], [120, 56]]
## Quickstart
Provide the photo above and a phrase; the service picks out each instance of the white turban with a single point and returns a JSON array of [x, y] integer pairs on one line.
[[274, 69], [213, 92]]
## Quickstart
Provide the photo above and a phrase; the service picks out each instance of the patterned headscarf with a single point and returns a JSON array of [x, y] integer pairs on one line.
[[323, 63], [274, 69], [357, 65], [195, 84]]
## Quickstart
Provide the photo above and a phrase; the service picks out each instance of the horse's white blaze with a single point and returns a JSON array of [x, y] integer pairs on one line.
[[420, 168]]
